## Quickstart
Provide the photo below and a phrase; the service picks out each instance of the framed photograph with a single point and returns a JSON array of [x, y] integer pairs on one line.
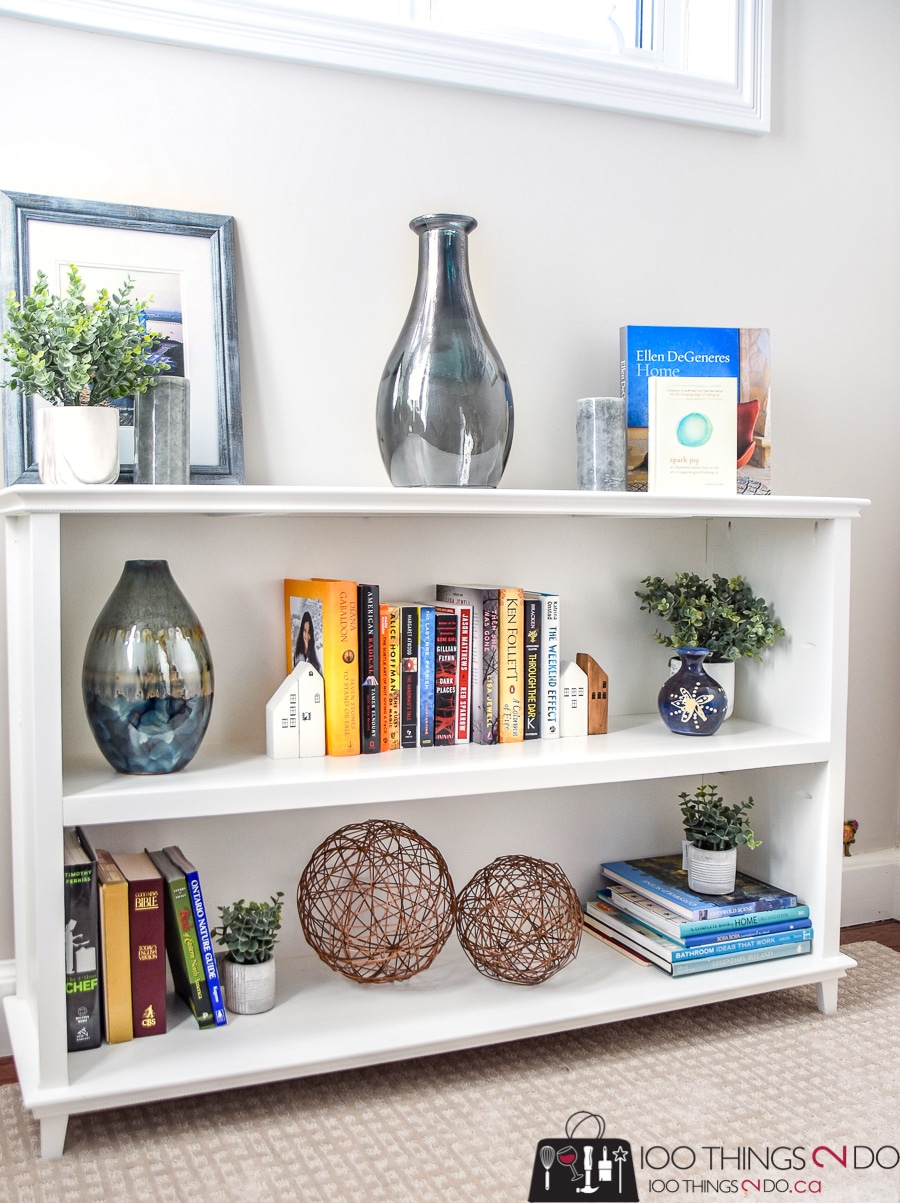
[[183, 265]]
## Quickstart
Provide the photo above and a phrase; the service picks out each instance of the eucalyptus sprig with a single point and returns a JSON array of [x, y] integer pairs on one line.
[[709, 823], [249, 929], [720, 614], [75, 352]]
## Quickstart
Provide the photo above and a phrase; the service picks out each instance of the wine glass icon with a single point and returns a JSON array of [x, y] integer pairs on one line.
[[568, 1156]]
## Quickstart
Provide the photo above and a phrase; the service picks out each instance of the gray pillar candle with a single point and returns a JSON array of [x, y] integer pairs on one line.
[[162, 433], [601, 439]]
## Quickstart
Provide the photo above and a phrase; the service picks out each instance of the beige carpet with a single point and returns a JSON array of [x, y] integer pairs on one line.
[[764, 1073]]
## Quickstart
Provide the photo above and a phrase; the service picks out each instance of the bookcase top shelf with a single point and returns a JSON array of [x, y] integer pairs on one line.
[[269, 500]]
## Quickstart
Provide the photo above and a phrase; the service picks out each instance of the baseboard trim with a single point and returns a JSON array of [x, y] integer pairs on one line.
[[870, 889], [7, 987]]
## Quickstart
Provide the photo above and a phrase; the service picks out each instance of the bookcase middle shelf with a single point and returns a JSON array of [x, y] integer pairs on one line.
[[232, 780]]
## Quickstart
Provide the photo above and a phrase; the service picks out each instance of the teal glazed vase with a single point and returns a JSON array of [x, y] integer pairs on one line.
[[691, 702], [147, 678]]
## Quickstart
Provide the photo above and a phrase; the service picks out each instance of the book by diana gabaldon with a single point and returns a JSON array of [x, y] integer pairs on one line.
[[321, 627], [667, 352], [84, 1004]]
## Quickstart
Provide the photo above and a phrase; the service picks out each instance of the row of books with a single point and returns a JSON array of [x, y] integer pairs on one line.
[[124, 914], [647, 912], [475, 663]]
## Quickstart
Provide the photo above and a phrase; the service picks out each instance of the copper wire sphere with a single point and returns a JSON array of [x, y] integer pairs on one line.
[[519, 920], [376, 901]]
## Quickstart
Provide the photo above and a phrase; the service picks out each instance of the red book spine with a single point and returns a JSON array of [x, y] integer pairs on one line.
[[147, 937]]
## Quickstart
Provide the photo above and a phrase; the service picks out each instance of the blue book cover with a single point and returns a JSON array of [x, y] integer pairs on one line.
[[662, 919], [426, 676], [203, 931], [625, 925], [653, 352], [662, 879]]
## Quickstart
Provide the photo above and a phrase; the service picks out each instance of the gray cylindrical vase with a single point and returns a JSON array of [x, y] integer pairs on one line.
[[162, 433], [601, 439]]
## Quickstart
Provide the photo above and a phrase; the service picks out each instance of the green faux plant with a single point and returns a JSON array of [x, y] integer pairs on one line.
[[76, 352], [709, 823], [720, 614], [250, 929]]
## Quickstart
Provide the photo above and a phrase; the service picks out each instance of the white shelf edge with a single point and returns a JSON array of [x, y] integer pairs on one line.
[[220, 781], [271, 500], [325, 1023]]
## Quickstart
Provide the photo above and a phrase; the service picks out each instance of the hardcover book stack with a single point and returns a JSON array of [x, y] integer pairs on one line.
[[647, 912], [125, 914], [476, 663]]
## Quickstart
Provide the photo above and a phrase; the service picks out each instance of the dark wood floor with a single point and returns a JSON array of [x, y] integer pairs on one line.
[[886, 932]]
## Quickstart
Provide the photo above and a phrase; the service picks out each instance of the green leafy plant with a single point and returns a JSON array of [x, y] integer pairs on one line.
[[709, 823], [720, 614], [250, 929], [76, 352]]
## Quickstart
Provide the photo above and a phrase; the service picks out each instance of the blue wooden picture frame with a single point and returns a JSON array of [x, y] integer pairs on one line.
[[18, 212]]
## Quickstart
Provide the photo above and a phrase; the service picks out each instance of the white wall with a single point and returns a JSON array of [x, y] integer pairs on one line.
[[587, 220]]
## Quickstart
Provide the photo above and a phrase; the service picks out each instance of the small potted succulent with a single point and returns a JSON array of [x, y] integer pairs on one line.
[[713, 832], [78, 356], [720, 614], [249, 932]]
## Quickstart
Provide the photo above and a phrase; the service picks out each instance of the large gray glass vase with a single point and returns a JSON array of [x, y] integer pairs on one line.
[[147, 678], [445, 410]]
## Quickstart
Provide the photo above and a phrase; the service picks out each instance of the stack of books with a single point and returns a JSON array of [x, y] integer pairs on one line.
[[647, 912], [475, 663], [125, 915]]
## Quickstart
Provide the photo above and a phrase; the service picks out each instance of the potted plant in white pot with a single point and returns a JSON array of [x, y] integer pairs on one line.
[[77, 356], [713, 832], [249, 932], [720, 614]]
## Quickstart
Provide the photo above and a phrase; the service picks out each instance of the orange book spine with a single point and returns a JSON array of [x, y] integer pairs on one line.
[[511, 659], [341, 670], [329, 609]]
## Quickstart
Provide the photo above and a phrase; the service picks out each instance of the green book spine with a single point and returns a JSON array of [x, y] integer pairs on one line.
[[183, 943]]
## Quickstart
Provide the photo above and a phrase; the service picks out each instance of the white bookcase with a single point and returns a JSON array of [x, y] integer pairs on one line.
[[250, 823]]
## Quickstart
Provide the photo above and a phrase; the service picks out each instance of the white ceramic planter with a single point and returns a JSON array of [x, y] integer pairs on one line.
[[249, 989], [722, 672], [711, 872], [77, 444]]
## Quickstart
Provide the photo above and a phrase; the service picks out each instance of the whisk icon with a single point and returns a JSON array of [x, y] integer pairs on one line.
[[547, 1154]]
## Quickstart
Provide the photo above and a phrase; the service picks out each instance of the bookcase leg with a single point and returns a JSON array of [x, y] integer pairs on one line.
[[827, 996], [53, 1135]]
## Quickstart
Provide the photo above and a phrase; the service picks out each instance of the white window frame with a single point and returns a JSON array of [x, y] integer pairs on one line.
[[277, 30]]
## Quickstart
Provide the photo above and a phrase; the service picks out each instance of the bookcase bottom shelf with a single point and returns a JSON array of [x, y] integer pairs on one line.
[[323, 1022]]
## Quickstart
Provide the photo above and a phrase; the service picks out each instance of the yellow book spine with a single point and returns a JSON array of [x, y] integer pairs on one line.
[[511, 658], [341, 670], [116, 951]]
